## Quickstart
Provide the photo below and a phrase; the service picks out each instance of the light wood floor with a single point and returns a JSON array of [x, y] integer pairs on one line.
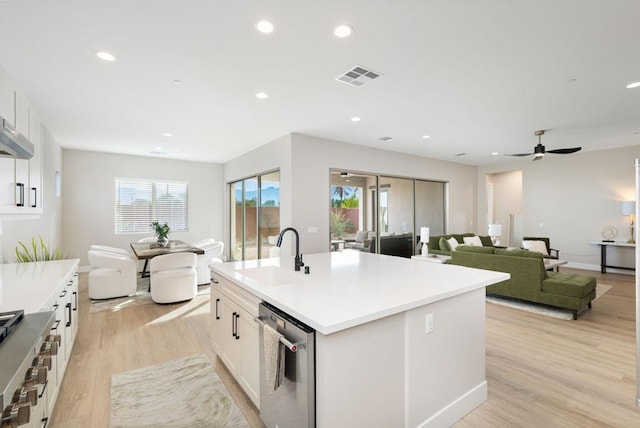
[[541, 371]]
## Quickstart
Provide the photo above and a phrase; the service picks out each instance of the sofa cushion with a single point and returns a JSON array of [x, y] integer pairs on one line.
[[568, 284], [518, 253], [361, 235], [472, 240], [486, 241], [444, 245], [537, 246], [475, 249], [453, 243]]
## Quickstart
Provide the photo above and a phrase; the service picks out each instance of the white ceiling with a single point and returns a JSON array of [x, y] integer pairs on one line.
[[478, 76]]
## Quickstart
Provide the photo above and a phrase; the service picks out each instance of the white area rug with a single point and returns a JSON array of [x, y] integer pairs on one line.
[[550, 311], [142, 297], [179, 393]]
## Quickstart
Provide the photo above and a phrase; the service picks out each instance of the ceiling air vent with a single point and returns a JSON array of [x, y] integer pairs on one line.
[[385, 138], [358, 76], [461, 154]]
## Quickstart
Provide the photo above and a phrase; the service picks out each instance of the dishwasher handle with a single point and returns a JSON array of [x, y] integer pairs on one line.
[[293, 347]]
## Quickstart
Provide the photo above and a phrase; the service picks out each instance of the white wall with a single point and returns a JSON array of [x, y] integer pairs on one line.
[[569, 198], [49, 224], [88, 184], [507, 199]]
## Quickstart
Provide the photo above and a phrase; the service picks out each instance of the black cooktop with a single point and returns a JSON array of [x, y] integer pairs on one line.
[[8, 322]]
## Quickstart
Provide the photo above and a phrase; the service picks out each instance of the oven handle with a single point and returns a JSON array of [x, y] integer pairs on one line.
[[293, 347]]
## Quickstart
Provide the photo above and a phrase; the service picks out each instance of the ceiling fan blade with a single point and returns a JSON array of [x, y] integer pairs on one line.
[[519, 154], [565, 151]]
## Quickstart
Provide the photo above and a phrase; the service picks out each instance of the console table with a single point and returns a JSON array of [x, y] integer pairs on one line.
[[603, 254]]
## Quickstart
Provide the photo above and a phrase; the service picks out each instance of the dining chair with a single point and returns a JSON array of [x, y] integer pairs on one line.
[[173, 277], [112, 275], [212, 254]]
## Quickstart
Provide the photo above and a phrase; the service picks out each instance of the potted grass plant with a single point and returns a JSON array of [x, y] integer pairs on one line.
[[36, 252]]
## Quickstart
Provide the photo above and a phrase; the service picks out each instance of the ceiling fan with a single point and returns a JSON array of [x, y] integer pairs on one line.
[[539, 150]]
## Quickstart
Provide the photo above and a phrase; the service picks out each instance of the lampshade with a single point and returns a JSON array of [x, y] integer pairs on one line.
[[628, 207], [495, 230], [424, 234]]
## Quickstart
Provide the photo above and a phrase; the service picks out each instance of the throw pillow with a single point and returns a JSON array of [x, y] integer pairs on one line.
[[452, 243], [472, 240], [537, 246], [444, 245]]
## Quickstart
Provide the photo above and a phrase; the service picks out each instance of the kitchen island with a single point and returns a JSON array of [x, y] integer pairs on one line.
[[398, 342]]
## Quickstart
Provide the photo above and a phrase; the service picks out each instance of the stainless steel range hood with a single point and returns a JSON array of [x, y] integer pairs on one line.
[[12, 143]]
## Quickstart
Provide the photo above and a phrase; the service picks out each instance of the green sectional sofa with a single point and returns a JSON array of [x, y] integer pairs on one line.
[[434, 242], [529, 279]]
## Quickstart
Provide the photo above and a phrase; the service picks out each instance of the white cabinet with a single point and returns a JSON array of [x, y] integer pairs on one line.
[[20, 179], [235, 334], [65, 304], [34, 199]]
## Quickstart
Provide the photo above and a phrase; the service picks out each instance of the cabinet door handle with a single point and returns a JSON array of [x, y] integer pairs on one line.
[[35, 197], [237, 334], [233, 325], [56, 323], [68, 306], [21, 197], [217, 316], [75, 297]]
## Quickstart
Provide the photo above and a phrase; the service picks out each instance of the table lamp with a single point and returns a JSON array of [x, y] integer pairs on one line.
[[495, 232], [629, 208], [424, 238]]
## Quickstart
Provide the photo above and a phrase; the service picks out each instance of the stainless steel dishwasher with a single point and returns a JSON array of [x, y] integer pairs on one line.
[[292, 405]]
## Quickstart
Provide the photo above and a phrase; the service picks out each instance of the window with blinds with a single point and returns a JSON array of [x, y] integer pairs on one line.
[[139, 203]]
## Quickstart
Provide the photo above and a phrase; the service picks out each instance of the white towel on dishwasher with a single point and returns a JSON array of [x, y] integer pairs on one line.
[[273, 357]]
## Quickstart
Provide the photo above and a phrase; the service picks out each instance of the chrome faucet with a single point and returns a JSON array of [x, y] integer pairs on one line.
[[298, 259]]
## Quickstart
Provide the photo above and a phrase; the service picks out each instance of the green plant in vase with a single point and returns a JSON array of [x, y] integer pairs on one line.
[[162, 231]]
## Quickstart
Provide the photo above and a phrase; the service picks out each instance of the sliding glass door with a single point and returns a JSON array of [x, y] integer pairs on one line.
[[255, 216], [395, 216], [384, 214]]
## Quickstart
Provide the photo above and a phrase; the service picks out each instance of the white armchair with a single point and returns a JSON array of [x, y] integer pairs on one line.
[[114, 250], [112, 275], [173, 277], [212, 254]]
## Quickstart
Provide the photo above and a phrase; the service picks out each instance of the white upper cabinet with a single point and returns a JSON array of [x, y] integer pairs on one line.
[[20, 179], [35, 163]]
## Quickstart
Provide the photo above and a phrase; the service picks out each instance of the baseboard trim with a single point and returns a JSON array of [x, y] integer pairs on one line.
[[459, 408], [596, 268]]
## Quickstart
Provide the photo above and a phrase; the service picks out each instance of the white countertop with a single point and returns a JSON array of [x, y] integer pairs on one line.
[[28, 286], [348, 288]]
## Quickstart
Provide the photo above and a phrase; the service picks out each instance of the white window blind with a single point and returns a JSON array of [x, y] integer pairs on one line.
[[138, 203]]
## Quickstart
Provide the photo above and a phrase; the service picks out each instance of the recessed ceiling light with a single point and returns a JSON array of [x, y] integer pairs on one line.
[[177, 82], [426, 137], [355, 119], [633, 85], [265, 27], [262, 95], [343, 31], [494, 154], [168, 134], [106, 56]]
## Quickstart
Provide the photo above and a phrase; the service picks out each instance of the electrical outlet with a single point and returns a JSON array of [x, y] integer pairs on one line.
[[429, 323]]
